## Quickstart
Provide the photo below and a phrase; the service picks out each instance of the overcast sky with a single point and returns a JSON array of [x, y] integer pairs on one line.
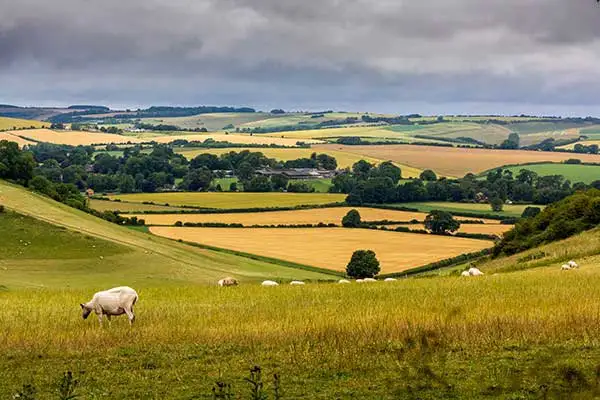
[[401, 56]]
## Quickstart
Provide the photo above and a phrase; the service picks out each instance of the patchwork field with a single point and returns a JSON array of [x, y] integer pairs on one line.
[[573, 172], [332, 215], [344, 159], [233, 200], [7, 123], [12, 138], [454, 161], [232, 138], [330, 248], [73, 138]]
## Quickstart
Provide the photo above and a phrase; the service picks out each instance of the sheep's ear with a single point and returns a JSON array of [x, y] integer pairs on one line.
[[82, 306]]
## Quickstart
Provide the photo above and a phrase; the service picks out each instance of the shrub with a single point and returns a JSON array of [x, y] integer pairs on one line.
[[441, 222], [351, 219], [531, 212], [363, 264], [497, 204]]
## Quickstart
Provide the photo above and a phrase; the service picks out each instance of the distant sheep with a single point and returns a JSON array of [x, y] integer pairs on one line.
[[465, 273], [296, 283], [565, 267], [360, 281], [573, 264], [370, 280], [229, 281], [343, 281], [475, 271], [390, 280], [269, 283]]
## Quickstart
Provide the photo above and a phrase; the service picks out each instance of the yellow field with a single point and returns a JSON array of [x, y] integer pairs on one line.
[[332, 215], [361, 131], [7, 123], [73, 138], [344, 159], [229, 200], [12, 138], [451, 161], [234, 138], [330, 248]]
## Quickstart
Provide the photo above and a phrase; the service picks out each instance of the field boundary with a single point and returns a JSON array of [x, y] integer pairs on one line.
[[457, 214]]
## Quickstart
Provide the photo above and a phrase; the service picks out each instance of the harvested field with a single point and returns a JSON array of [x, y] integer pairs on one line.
[[12, 138], [509, 210], [105, 205], [452, 161], [487, 229], [73, 138], [210, 121], [330, 248], [332, 215], [7, 123], [232, 200], [234, 138]]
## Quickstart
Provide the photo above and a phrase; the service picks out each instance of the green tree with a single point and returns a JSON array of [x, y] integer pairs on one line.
[[279, 182], [441, 222], [496, 204], [530, 212], [387, 170], [351, 219], [428, 175], [197, 179], [363, 264], [258, 184], [513, 142]]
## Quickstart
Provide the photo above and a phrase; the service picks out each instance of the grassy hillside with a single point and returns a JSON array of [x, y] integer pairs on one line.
[[573, 172], [149, 260]]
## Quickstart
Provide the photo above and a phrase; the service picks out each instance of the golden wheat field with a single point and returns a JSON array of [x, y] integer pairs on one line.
[[73, 138], [452, 161], [486, 229], [7, 123], [332, 215], [330, 248], [12, 138], [235, 138]]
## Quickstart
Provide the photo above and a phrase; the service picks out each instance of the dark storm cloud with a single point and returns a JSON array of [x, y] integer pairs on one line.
[[359, 53]]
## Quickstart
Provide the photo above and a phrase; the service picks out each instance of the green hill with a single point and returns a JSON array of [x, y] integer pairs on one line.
[[60, 254]]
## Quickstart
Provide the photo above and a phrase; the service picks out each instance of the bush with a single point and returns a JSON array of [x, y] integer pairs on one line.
[[363, 264], [531, 212], [497, 204], [352, 219], [441, 222], [2, 209]]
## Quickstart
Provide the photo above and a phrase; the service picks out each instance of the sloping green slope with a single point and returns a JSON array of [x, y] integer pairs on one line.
[[145, 260]]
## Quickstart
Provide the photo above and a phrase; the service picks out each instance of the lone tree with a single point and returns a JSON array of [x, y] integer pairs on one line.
[[428, 175], [363, 264], [441, 222], [497, 204], [352, 219]]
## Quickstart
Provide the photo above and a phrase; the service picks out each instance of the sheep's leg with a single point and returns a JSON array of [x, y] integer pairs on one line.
[[130, 315], [99, 318]]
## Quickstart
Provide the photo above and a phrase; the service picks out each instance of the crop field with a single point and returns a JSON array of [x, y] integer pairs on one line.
[[105, 205], [73, 138], [329, 248], [573, 172], [232, 138], [331, 215], [455, 162], [233, 200], [487, 229], [509, 210], [492, 134], [7, 124], [368, 132], [526, 128], [12, 138], [212, 122]]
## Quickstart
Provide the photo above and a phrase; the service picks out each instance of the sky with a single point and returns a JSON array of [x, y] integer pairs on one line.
[[394, 56]]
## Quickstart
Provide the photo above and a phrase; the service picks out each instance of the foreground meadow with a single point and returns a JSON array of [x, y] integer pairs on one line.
[[330, 248], [506, 336]]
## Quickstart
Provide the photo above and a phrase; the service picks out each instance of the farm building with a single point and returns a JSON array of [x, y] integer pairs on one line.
[[298, 173]]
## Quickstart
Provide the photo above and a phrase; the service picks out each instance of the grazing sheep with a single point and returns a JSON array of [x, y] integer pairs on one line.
[[229, 281], [296, 283], [475, 271], [573, 264], [370, 280], [565, 267], [360, 281], [465, 273], [390, 280], [343, 281], [269, 283], [115, 301]]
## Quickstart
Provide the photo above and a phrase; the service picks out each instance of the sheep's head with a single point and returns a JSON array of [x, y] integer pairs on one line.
[[85, 311]]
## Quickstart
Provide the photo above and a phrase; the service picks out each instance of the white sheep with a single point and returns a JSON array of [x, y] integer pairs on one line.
[[360, 281], [296, 283], [229, 281], [269, 283], [465, 273], [343, 281], [565, 267], [390, 280], [475, 271], [370, 280], [573, 264]]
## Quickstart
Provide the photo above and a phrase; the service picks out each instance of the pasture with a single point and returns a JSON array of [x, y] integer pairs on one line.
[[73, 138], [231, 138], [457, 162], [331, 215], [509, 210], [572, 172], [330, 248], [7, 123], [106, 205], [486, 229], [211, 121], [232, 200]]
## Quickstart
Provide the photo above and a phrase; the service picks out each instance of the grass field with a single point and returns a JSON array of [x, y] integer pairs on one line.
[[572, 172], [12, 138], [233, 200], [454, 161], [7, 124], [330, 248], [509, 210], [232, 138], [73, 138], [487, 229], [212, 122], [332, 215], [105, 205]]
